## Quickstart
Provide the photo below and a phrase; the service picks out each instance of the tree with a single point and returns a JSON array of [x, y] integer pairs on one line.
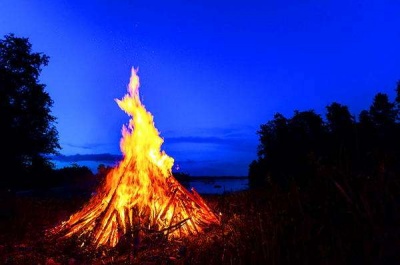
[[303, 148], [397, 101], [307, 146], [297, 142], [383, 114], [272, 151], [340, 121], [272, 136], [382, 111], [367, 139], [27, 125], [342, 135]]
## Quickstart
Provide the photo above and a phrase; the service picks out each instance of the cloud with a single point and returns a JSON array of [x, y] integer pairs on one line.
[[227, 143], [216, 151], [81, 146], [107, 158], [239, 131], [194, 139], [210, 151], [89, 148]]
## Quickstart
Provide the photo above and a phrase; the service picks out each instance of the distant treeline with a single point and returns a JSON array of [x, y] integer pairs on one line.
[[304, 146]]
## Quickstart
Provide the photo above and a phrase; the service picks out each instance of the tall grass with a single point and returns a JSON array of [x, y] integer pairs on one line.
[[336, 219]]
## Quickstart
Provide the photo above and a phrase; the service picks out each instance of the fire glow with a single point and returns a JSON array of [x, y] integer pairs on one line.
[[140, 194]]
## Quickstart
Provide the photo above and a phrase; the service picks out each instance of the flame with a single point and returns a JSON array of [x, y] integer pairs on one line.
[[140, 194]]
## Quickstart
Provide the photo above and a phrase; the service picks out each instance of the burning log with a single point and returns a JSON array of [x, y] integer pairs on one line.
[[140, 194]]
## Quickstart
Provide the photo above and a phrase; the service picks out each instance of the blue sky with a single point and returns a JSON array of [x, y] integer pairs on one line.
[[211, 71]]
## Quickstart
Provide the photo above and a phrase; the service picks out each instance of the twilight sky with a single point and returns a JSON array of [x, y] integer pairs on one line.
[[211, 72]]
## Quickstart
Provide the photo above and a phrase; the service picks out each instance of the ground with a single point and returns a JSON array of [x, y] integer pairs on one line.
[[257, 227]]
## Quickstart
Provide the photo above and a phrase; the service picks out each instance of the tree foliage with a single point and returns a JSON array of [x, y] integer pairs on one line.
[[27, 125], [295, 149]]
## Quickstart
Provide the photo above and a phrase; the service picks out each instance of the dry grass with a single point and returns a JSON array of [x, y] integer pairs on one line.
[[258, 227]]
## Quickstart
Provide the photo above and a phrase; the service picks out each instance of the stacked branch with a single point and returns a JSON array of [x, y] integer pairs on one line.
[[104, 220], [140, 194]]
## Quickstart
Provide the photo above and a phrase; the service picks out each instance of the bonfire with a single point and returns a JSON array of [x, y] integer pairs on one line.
[[139, 194]]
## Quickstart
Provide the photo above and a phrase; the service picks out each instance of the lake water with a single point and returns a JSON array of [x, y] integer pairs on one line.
[[218, 185], [211, 185]]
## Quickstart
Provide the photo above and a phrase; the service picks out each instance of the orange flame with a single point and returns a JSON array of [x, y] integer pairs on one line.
[[140, 194]]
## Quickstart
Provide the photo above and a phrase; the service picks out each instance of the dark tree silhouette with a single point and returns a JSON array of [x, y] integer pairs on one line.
[[273, 140], [288, 149], [339, 119], [341, 143], [383, 116], [397, 101], [367, 141], [27, 126], [307, 134], [382, 111], [294, 149]]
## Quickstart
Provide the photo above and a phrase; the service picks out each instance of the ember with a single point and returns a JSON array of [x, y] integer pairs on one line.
[[140, 194]]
